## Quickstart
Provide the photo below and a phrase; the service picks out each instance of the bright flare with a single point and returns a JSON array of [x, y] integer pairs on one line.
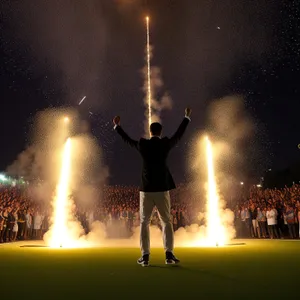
[[215, 230], [60, 236], [148, 73]]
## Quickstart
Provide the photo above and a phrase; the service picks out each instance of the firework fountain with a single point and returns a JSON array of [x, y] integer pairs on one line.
[[61, 203], [216, 233]]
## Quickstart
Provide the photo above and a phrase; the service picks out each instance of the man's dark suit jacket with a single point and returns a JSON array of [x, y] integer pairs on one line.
[[156, 176]]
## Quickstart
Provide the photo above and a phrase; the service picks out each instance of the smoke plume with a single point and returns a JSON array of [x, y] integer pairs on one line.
[[232, 130], [40, 162], [160, 99]]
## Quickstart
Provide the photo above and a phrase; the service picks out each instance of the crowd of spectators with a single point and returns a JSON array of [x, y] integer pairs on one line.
[[22, 218], [265, 214], [269, 213]]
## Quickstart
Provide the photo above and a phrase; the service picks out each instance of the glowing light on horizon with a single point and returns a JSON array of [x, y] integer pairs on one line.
[[148, 74]]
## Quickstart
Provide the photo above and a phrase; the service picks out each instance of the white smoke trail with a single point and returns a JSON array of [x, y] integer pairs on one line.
[[153, 85]]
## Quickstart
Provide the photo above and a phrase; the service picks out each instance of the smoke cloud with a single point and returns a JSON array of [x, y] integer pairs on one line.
[[232, 131], [40, 162]]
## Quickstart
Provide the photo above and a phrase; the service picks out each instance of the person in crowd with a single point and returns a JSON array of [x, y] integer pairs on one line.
[[21, 224], [37, 225], [1, 224], [261, 218], [9, 224], [290, 220], [4, 226], [243, 222], [248, 222], [237, 221], [255, 227], [272, 221], [298, 214], [15, 226], [28, 225]]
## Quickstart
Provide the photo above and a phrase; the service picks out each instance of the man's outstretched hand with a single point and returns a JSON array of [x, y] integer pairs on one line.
[[116, 120], [188, 112]]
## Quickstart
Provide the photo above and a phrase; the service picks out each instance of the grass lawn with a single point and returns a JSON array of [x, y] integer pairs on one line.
[[256, 270]]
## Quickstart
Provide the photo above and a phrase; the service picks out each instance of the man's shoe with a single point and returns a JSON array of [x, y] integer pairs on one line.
[[144, 260], [171, 259]]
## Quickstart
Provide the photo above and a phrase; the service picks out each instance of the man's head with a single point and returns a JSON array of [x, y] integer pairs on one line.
[[155, 129]]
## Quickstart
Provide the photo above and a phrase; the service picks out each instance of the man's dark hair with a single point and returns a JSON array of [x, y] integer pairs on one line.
[[156, 128]]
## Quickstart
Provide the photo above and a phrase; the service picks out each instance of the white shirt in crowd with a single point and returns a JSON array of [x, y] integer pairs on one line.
[[28, 219], [272, 217], [37, 221]]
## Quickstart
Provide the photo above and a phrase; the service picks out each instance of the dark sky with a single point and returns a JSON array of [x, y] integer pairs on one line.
[[54, 52]]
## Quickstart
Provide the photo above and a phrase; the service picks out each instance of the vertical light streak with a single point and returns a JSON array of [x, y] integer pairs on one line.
[[149, 73], [61, 207], [215, 229]]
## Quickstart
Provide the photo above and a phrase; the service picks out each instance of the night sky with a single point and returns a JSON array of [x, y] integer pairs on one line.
[[55, 52]]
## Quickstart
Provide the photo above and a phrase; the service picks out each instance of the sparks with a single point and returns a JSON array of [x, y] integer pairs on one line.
[[215, 229], [148, 73], [82, 100], [60, 226]]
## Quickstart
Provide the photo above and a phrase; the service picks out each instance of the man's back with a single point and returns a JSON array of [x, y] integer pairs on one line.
[[156, 176], [156, 183]]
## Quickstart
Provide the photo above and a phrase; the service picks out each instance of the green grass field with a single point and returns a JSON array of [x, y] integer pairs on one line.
[[256, 270]]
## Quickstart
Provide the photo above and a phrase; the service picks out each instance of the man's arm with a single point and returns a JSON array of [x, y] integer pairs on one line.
[[128, 140], [181, 129]]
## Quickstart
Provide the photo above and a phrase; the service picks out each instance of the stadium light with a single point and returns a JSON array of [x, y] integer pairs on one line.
[[2, 177]]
